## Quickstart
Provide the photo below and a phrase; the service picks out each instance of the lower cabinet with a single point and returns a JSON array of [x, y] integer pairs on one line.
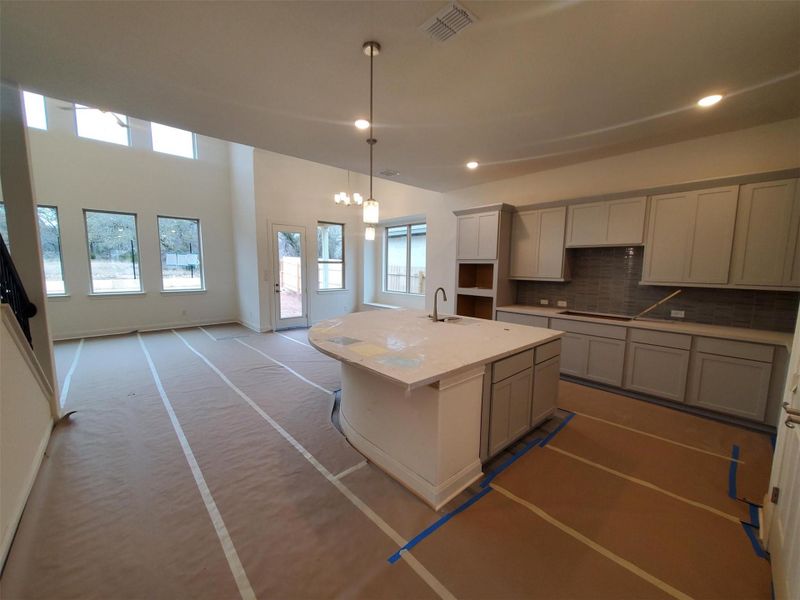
[[657, 371], [511, 409], [590, 357], [546, 376], [728, 384]]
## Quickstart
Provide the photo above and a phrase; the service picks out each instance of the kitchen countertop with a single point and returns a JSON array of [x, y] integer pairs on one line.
[[742, 334], [408, 348]]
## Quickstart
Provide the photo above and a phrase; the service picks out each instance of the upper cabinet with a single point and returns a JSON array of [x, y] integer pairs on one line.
[[610, 223], [537, 244], [690, 237], [477, 236], [766, 247]]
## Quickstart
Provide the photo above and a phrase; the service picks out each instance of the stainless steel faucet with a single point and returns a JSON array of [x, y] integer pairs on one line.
[[435, 315]]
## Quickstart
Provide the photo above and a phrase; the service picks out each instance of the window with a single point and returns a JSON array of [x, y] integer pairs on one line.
[[4, 225], [181, 263], [330, 256], [101, 125], [35, 113], [404, 265], [172, 140], [113, 252], [50, 240]]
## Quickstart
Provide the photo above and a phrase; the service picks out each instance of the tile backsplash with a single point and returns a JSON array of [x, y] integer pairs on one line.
[[607, 280]]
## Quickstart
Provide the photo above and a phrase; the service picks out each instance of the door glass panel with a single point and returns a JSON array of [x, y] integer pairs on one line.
[[290, 265]]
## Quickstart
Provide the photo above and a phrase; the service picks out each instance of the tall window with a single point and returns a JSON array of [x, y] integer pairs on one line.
[[50, 240], [35, 113], [330, 256], [104, 126], [404, 259], [4, 225], [172, 140], [181, 261], [113, 252]]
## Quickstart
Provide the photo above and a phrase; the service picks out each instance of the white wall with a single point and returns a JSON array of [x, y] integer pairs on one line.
[[74, 173], [766, 148]]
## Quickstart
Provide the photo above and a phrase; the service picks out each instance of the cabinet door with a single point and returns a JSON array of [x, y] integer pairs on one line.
[[467, 237], [545, 389], [766, 233], [551, 243], [669, 236], [736, 386], [712, 237], [626, 221], [657, 371], [587, 224], [487, 235], [510, 410], [525, 244], [574, 353], [605, 360]]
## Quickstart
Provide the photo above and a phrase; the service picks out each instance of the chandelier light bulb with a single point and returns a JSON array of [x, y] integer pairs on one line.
[[358, 199]]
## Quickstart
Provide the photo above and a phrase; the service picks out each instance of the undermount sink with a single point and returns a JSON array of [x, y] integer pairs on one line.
[[578, 313]]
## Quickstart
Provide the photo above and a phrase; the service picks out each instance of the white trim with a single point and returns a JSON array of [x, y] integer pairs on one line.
[[237, 570], [418, 568], [68, 379]]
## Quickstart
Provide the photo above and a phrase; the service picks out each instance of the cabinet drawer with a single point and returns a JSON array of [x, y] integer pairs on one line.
[[661, 338], [520, 319], [610, 331], [507, 367], [547, 351], [744, 350]]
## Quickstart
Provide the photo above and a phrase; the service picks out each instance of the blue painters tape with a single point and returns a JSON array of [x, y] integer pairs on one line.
[[751, 534], [429, 530], [495, 472], [732, 472], [553, 433], [754, 516]]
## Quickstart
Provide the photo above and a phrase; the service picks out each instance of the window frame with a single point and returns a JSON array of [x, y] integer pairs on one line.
[[128, 144], [333, 261], [135, 216], [60, 251], [385, 265], [194, 145], [200, 254]]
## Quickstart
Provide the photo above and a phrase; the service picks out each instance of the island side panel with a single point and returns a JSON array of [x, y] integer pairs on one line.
[[427, 438]]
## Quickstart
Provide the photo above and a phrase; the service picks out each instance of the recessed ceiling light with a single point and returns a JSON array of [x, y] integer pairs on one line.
[[709, 100], [362, 123], [473, 164]]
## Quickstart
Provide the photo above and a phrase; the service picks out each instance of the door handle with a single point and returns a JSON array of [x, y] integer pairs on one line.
[[277, 288], [792, 411], [792, 421]]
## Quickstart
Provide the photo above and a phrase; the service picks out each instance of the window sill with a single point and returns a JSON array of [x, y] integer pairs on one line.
[[115, 294], [404, 294], [181, 292], [57, 296], [332, 291]]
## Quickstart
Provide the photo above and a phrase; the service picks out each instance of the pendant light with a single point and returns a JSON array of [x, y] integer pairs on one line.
[[371, 208]]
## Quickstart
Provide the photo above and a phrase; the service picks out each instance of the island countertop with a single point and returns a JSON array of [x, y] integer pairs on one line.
[[408, 348]]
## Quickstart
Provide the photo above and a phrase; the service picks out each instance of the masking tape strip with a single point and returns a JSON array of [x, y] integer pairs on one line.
[[68, 379]]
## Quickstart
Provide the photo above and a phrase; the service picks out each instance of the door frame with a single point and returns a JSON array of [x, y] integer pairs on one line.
[[277, 322]]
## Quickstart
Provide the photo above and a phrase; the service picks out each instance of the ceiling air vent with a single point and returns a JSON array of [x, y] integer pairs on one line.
[[389, 173], [448, 22]]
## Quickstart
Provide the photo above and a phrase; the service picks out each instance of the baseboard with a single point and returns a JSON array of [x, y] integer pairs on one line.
[[147, 328], [12, 531]]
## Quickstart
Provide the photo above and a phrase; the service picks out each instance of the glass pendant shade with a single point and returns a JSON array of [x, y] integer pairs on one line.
[[371, 211], [358, 199], [369, 233]]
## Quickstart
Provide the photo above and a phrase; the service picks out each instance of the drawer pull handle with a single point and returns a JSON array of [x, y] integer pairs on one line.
[[792, 411]]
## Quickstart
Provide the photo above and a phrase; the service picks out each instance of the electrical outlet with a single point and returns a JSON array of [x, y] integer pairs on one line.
[[677, 314], [562, 303], [544, 302]]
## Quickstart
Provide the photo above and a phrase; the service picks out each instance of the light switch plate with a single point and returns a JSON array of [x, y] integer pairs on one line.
[[678, 314], [544, 302], [562, 303]]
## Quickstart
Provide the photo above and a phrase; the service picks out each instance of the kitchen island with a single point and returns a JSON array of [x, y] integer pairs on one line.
[[427, 401]]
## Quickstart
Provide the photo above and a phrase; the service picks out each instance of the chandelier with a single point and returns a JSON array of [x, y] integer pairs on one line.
[[344, 199]]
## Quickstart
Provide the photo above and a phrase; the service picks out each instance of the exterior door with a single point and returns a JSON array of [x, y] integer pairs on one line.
[[289, 276], [782, 517]]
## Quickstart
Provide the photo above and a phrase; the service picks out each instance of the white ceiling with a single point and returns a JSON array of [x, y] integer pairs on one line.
[[530, 86]]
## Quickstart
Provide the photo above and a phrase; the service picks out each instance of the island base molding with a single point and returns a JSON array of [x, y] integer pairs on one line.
[[427, 438]]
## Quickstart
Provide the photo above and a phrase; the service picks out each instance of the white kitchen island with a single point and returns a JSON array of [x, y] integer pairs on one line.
[[426, 401]]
